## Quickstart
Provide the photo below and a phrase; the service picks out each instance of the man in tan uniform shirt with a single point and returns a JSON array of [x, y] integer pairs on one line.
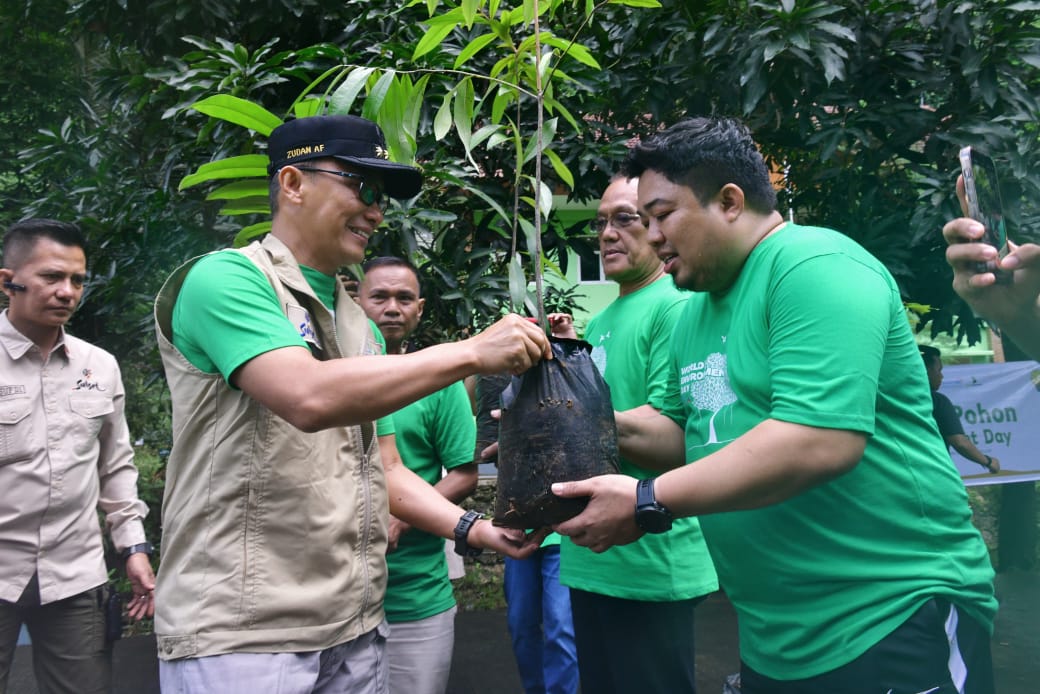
[[64, 453]]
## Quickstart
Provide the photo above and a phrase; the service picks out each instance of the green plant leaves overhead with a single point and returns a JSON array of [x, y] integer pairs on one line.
[[242, 166], [240, 112]]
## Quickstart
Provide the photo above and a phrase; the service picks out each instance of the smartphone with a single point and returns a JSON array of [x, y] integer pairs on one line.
[[982, 190]]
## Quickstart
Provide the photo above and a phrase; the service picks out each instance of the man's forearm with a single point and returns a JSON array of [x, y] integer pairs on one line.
[[649, 439], [772, 462], [458, 483], [963, 445]]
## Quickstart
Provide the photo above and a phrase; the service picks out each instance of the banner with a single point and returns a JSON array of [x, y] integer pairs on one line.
[[999, 408]]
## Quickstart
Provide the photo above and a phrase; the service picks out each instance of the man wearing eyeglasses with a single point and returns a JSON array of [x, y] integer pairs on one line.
[[633, 605], [284, 464]]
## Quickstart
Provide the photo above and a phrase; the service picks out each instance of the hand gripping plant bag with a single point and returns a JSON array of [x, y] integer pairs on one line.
[[557, 425]]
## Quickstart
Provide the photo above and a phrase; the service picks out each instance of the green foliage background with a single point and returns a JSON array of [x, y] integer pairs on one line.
[[862, 105]]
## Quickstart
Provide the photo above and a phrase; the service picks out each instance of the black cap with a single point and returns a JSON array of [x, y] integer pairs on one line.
[[351, 139]]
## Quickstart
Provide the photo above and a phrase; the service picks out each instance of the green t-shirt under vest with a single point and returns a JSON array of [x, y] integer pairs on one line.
[[243, 320]]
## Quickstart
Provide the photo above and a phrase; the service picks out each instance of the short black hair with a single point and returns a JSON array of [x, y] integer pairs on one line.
[[704, 154], [22, 237], [393, 261], [929, 354]]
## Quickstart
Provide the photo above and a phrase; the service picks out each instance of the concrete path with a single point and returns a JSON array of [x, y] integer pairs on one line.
[[483, 662]]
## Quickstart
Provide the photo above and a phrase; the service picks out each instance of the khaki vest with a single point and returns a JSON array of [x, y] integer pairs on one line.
[[274, 540]]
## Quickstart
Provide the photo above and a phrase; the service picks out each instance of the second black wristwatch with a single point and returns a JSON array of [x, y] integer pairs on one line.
[[465, 523], [651, 516], [145, 547]]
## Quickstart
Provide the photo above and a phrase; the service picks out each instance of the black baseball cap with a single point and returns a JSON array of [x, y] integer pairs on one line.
[[351, 139]]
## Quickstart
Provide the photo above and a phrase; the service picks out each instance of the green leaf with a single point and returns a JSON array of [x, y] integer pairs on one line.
[[530, 234], [415, 97], [310, 106], [440, 27], [252, 205], [836, 30], [239, 189], [654, 4], [463, 114], [560, 168], [239, 111], [555, 107], [469, 12], [343, 98], [472, 48], [247, 234], [394, 119], [484, 133], [573, 49], [442, 121], [517, 282], [376, 95], [504, 97], [529, 8], [242, 166]]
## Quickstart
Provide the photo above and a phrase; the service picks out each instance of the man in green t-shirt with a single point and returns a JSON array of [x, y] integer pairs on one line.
[[279, 484], [633, 605], [434, 434], [837, 525]]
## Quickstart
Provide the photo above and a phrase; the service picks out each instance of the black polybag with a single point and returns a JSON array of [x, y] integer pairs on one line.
[[557, 425]]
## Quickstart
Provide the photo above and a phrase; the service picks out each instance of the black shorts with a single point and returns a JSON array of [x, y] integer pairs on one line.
[[938, 650]]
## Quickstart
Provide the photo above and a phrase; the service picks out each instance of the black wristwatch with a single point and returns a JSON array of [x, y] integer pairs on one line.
[[145, 547], [651, 516], [465, 523]]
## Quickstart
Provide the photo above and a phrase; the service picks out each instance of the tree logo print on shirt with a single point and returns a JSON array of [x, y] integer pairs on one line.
[[86, 384], [707, 383]]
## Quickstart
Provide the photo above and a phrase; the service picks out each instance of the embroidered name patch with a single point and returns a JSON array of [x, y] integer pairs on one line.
[[301, 320]]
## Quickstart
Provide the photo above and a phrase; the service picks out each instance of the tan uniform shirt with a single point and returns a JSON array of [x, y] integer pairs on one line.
[[64, 453]]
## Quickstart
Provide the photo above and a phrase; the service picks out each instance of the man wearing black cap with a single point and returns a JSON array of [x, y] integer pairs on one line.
[[276, 507]]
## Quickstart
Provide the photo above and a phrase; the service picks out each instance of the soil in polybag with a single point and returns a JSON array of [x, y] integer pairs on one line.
[[557, 425], [488, 397]]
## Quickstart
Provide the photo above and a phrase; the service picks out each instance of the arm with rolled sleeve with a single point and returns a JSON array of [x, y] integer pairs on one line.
[[124, 511]]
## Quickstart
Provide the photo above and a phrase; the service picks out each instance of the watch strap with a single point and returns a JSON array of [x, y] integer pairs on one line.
[[145, 547], [465, 524], [645, 493]]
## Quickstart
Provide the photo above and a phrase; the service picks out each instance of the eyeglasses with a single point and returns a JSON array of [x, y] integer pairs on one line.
[[367, 192], [618, 220]]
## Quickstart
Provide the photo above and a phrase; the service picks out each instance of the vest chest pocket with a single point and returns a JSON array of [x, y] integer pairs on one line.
[[88, 413], [16, 429]]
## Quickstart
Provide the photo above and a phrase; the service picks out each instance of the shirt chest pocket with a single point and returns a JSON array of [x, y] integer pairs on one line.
[[16, 430], [87, 414]]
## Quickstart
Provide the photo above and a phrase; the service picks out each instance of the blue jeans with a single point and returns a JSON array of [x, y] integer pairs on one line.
[[538, 611]]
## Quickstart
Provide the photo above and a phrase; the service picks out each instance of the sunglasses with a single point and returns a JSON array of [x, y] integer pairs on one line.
[[619, 220], [367, 193]]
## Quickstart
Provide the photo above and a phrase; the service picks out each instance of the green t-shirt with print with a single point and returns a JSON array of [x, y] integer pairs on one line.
[[227, 313], [631, 342], [814, 332], [437, 432]]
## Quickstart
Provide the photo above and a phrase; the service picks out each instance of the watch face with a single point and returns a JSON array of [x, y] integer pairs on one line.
[[653, 519]]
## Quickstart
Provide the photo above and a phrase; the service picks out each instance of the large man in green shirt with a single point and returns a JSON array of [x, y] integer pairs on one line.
[[837, 525], [633, 605], [435, 436]]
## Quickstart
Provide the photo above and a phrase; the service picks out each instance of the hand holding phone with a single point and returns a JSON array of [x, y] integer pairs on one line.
[[982, 192]]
